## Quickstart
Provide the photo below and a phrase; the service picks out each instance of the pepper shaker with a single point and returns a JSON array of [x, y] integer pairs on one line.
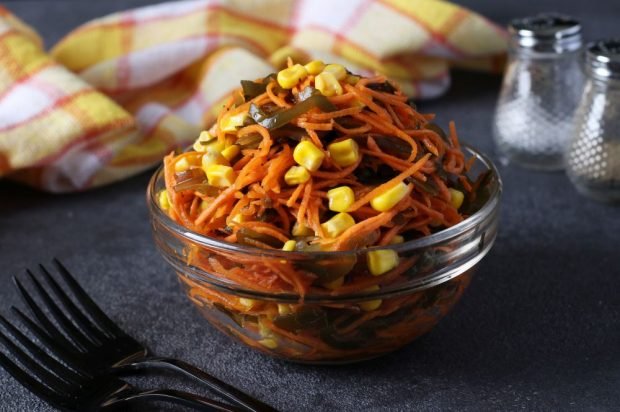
[[593, 156], [541, 89]]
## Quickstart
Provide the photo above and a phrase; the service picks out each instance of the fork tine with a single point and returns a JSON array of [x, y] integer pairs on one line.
[[68, 356], [51, 330], [74, 333], [88, 304], [50, 380], [87, 326], [29, 382], [52, 364]]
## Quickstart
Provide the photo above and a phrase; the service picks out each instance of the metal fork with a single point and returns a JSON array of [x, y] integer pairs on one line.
[[72, 390], [99, 345]]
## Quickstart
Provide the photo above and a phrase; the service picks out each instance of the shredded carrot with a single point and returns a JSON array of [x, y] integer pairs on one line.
[[389, 184], [469, 164], [314, 221], [266, 228], [265, 144], [339, 174], [463, 180], [295, 195], [315, 126], [177, 205], [342, 99], [274, 97], [389, 235], [395, 118], [453, 137], [367, 100], [280, 164], [353, 131], [362, 228], [390, 128], [315, 138], [339, 113], [210, 210], [304, 203]]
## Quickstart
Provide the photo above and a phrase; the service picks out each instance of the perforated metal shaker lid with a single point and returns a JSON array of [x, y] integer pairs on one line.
[[547, 32], [603, 58]]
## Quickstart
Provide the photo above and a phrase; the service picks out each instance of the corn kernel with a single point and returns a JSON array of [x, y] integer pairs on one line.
[[397, 239], [352, 79], [247, 303], [338, 224], [289, 246], [337, 70], [181, 165], [296, 175], [212, 157], [231, 152], [344, 153], [215, 146], [308, 155], [335, 284], [340, 198], [230, 123], [327, 84], [435, 222], [220, 176], [206, 136], [284, 309], [371, 305], [199, 144], [358, 103], [205, 204], [301, 230], [269, 343], [390, 197], [238, 218], [288, 78], [164, 200], [456, 198], [381, 261], [263, 329], [314, 67]]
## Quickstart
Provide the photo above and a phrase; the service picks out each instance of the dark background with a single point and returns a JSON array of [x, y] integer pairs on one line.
[[539, 328]]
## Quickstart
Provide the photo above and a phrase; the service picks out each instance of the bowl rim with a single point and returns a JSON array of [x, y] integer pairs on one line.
[[423, 242]]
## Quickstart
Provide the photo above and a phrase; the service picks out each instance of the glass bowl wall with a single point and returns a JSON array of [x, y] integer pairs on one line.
[[365, 317]]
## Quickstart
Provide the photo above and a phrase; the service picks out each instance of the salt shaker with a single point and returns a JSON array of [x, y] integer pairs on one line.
[[540, 92], [593, 156]]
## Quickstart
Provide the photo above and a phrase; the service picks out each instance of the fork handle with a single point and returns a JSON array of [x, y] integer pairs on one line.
[[170, 395], [224, 389]]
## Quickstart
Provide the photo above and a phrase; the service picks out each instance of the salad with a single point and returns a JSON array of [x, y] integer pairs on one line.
[[317, 159]]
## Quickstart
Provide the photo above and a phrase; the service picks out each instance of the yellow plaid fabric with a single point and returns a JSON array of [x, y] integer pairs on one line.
[[119, 92]]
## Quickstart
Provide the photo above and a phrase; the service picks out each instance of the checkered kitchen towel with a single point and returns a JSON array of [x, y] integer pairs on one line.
[[119, 92]]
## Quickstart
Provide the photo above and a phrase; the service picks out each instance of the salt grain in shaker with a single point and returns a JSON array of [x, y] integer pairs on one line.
[[593, 156], [541, 89]]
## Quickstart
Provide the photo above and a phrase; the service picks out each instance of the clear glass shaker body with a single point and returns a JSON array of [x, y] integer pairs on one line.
[[540, 92], [593, 155]]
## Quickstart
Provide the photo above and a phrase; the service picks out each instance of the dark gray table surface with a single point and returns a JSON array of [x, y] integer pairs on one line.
[[539, 328]]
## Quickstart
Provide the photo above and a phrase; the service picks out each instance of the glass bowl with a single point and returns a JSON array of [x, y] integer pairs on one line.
[[364, 317]]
